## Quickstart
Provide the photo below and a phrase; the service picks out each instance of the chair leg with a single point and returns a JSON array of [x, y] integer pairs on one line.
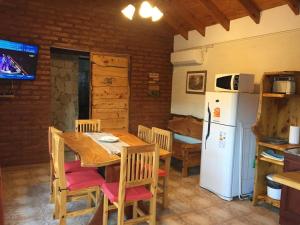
[[51, 183], [152, 212], [62, 207], [165, 192], [105, 210], [62, 221], [121, 213], [135, 205], [56, 202]]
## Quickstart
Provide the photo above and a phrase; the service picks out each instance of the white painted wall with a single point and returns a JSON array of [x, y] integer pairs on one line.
[[273, 45]]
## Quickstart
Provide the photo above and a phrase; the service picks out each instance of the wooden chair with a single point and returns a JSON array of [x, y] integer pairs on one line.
[[51, 131], [90, 125], [139, 165], [72, 166], [163, 139], [72, 186], [144, 133]]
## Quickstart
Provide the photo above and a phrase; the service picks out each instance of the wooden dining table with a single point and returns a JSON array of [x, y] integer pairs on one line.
[[92, 154]]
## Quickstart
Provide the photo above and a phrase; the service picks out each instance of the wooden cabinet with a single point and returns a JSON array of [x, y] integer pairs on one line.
[[275, 115], [290, 198]]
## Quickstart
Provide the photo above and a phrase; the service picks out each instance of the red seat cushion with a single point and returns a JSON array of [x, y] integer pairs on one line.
[[111, 191], [162, 173], [83, 179], [74, 166]]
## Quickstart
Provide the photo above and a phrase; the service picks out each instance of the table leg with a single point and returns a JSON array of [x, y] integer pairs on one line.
[[111, 175]]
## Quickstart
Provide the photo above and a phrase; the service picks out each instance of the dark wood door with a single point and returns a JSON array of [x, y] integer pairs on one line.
[[290, 198]]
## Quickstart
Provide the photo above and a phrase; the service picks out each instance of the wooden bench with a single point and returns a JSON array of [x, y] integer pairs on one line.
[[186, 141]]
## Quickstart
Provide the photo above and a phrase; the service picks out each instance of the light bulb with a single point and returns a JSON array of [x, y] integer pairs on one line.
[[156, 14], [145, 10], [129, 11]]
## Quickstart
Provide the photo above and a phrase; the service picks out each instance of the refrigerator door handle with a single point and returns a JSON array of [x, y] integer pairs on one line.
[[208, 125]]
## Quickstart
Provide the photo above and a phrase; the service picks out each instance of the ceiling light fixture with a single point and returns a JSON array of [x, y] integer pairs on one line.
[[156, 14], [146, 10], [129, 11]]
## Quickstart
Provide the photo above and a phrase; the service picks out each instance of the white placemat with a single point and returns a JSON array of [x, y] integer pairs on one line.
[[110, 147]]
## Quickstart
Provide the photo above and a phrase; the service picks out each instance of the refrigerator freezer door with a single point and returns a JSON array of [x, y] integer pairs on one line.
[[223, 107], [217, 160]]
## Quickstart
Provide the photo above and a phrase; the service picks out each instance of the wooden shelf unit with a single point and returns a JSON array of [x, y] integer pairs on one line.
[[271, 201], [278, 147], [275, 115], [276, 162]]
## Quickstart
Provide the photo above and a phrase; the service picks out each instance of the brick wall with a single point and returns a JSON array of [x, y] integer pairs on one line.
[[83, 25]]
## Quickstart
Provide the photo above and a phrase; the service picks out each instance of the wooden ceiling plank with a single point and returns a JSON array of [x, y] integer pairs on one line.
[[188, 15], [294, 5], [252, 9], [216, 13], [169, 18]]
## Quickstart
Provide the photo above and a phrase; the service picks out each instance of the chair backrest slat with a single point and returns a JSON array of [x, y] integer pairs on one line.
[[144, 133], [163, 138], [91, 125]]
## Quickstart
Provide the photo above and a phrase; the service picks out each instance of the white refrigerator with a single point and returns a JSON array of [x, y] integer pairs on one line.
[[228, 144]]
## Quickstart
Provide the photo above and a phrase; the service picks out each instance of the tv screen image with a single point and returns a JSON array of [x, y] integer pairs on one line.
[[17, 60]]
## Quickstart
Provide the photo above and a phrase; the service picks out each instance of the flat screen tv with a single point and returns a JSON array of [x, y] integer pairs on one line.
[[17, 60]]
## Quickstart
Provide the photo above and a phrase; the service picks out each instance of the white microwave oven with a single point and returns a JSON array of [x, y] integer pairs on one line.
[[234, 82]]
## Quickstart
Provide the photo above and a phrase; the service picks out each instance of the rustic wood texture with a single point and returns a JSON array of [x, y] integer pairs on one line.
[[62, 194], [275, 115], [163, 138], [189, 154], [110, 86], [184, 16], [294, 5], [290, 179], [187, 125], [144, 133], [93, 155], [290, 197], [252, 9], [139, 165], [88, 125], [51, 132]]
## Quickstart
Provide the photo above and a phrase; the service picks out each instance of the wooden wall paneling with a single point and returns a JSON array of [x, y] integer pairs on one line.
[[252, 9], [110, 90], [216, 13], [294, 5]]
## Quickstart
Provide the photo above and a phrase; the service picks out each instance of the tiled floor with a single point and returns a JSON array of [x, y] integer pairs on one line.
[[26, 194]]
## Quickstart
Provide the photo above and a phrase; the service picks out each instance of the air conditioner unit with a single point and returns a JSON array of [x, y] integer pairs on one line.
[[187, 57]]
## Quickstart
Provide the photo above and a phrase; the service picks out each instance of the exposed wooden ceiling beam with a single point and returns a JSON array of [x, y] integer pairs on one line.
[[170, 18], [252, 9], [188, 16], [216, 13], [294, 5]]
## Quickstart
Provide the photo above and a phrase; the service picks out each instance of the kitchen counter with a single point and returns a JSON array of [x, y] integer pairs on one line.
[[290, 179]]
